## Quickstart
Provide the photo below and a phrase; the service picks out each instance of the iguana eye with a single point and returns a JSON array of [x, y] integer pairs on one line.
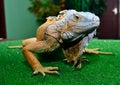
[[78, 17]]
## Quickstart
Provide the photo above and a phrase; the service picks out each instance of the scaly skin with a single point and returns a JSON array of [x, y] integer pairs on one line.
[[48, 38], [45, 41], [40, 45]]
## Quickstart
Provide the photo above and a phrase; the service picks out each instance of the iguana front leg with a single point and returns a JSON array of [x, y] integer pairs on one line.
[[38, 47]]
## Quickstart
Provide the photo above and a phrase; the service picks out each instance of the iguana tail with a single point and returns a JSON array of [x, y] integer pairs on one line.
[[15, 46]]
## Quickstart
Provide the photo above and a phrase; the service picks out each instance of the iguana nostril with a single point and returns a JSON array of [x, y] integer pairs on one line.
[[95, 19]]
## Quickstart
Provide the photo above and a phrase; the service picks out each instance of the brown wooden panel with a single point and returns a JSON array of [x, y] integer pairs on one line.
[[119, 18], [109, 22], [2, 20]]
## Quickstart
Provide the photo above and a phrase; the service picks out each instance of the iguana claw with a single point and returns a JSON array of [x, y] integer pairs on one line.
[[43, 70]]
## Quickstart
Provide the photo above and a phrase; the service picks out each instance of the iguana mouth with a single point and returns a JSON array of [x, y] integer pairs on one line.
[[71, 38], [88, 25]]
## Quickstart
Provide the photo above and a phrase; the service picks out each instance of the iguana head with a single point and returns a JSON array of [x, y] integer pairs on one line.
[[88, 20], [79, 26], [80, 20]]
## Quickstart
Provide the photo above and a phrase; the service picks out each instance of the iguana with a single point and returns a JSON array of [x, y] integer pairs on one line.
[[70, 30]]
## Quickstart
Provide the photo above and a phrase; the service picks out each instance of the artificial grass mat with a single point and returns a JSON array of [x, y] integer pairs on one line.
[[102, 69]]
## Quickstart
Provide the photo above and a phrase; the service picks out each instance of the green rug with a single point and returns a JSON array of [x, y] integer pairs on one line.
[[102, 69]]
